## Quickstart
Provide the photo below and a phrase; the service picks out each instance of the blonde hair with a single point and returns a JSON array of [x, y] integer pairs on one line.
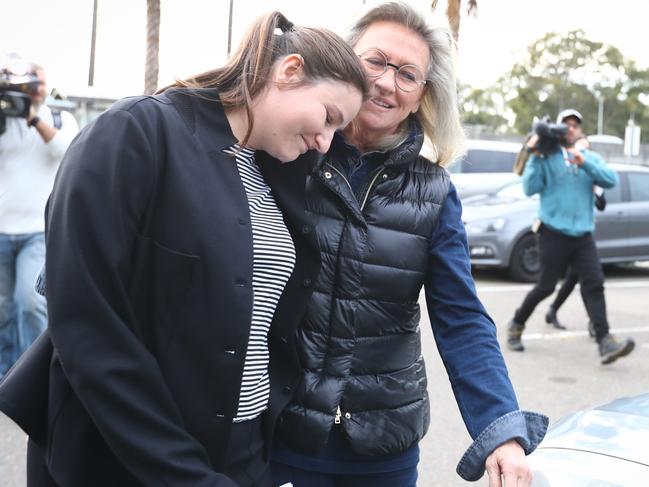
[[270, 38], [438, 112]]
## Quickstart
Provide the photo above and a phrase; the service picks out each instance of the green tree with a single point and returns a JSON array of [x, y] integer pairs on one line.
[[482, 107], [561, 71]]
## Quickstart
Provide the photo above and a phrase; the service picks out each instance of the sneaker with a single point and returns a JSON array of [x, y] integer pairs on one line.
[[514, 333], [612, 348], [551, 319]]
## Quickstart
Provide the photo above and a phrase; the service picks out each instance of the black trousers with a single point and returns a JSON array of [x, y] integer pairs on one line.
[[558, 251], [246, 460], [570, 280]]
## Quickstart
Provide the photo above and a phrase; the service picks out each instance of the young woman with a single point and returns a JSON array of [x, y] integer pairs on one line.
[[388, 222], [172, 275]]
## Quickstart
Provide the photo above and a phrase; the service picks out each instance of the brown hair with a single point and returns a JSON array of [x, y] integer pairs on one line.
[[438, 113], [270, 38]]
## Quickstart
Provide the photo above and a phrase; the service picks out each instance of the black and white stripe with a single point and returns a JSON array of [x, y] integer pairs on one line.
[[274, 259]]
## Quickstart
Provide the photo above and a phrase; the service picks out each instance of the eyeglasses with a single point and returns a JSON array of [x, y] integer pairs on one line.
[[408, 77]]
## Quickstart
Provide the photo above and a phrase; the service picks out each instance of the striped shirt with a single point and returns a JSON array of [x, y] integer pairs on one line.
[[273, 262]]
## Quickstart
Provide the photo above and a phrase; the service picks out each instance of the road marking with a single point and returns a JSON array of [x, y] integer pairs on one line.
[[526, 287], [571, 334]]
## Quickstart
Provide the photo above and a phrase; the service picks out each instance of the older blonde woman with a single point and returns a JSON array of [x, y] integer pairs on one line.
[[388, 223]]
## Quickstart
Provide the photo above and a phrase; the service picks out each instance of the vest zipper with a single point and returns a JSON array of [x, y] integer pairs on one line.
[[369, 187], [338, 415], [342, 176]]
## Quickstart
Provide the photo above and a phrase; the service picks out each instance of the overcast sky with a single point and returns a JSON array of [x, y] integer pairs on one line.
[[194, 34]]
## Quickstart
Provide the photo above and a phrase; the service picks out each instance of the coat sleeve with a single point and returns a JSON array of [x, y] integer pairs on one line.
[[467, 342], [104, 184], [602, 175], [534, 176]]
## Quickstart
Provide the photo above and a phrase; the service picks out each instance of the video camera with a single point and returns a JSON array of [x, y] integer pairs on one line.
[[552, 136], [14, 94]]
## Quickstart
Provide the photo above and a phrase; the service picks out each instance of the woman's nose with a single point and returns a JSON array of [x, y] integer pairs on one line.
[[387, 81], [323, 140]]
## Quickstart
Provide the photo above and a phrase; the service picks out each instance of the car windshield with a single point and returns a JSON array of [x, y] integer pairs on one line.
[[512, 191], [481, 160]]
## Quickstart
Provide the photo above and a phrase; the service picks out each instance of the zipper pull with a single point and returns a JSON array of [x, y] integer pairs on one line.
[[338, 415]]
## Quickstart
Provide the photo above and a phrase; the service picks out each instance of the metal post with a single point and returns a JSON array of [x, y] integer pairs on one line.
[[600, 115], [230, 28], [93, 41]]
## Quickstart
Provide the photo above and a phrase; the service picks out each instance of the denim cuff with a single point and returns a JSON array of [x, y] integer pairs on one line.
[[525, 427]]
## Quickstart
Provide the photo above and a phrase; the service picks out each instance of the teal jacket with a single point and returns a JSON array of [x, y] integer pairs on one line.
[[567, 190]]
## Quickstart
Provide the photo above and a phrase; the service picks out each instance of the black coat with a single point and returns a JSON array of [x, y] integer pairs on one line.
[[149, 273]]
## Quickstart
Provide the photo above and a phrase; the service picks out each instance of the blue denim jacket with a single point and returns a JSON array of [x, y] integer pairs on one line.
[[466, 339]]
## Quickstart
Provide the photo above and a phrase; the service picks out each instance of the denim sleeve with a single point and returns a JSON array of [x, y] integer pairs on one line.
[[525, 427], [466, 339]]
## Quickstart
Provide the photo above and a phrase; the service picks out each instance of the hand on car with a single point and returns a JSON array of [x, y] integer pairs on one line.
[[508, 467]]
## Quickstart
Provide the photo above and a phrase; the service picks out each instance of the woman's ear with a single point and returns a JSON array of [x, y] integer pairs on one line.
[[289, 70]]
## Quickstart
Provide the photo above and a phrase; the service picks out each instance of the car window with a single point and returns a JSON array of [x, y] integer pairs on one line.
[[481, 160], [639, 186], [614, 194]]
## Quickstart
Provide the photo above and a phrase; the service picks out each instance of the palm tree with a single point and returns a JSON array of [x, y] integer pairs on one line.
[[453, 14], [152, 46]]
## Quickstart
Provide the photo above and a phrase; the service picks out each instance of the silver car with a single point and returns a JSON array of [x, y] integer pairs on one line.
[[500, 235], [606, 446], [485, 167]]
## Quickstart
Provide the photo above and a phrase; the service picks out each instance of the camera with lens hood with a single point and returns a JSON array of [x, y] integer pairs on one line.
[[551, 136], [14, 94]]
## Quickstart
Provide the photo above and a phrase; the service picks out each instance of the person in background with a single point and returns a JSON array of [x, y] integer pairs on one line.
[[31, 150], [571, 278], [565, 181], [388, 222], [172, 277]]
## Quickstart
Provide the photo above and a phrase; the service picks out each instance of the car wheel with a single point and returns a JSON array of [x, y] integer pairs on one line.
[[525, 264]]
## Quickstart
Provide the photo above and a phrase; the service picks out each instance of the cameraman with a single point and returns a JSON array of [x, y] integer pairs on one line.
[[564, 177], [31, 149]]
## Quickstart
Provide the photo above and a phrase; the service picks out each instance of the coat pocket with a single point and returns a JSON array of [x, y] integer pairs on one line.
[[162, 279]]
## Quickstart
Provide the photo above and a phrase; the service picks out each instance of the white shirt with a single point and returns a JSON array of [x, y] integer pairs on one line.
[[27, 169]]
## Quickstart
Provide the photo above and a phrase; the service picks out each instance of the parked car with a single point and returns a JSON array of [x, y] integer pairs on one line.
[[486, 167], [499, 225], [605, 446]]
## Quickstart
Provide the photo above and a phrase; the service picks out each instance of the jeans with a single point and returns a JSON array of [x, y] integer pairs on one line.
[[23, 312], [304, 478], [558, 251]]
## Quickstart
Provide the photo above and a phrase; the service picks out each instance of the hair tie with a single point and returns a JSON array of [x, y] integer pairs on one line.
[[284, 25]]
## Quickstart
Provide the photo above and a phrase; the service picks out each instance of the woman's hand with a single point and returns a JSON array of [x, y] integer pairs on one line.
[[507, 466]]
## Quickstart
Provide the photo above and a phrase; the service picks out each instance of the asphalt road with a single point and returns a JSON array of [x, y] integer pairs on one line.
[[558, 373]]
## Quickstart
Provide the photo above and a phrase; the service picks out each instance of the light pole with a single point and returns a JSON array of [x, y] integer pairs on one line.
[[600, 115], [93, 41], [230, 28]]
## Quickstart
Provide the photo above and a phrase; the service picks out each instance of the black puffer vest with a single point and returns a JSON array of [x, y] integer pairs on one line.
[[359, 343]]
